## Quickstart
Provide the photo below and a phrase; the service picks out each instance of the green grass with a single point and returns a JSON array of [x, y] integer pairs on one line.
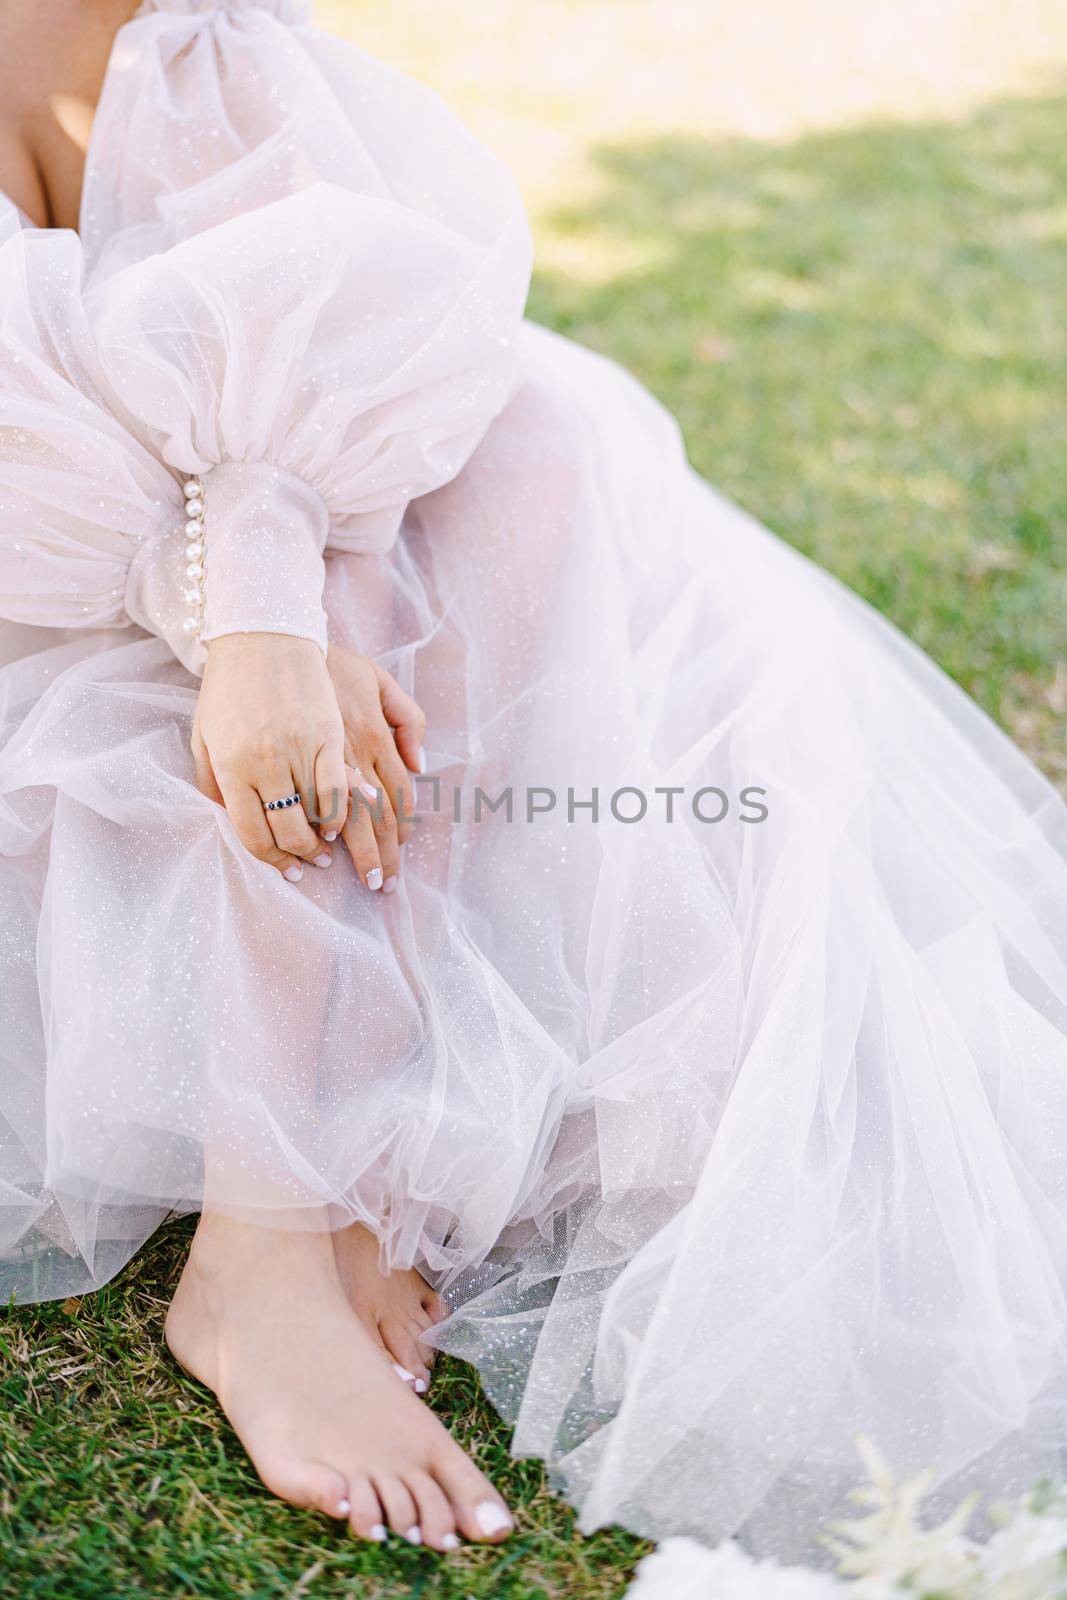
[[863, 333], [118, 1478]]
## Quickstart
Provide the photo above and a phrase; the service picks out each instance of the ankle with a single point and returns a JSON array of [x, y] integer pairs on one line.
[[225, 1245]]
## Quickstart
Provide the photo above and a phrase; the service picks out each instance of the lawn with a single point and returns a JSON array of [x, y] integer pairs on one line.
[[833, 239]]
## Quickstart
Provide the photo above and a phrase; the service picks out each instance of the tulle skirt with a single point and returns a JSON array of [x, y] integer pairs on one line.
[[712, 1055]]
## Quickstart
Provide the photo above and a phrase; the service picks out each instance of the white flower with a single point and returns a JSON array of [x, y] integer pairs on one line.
[[885, 1553], [888, 1553], [682, 1569], [1026, 1559]]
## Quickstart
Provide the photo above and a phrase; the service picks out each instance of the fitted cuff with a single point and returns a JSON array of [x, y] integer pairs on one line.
[[254, 565]]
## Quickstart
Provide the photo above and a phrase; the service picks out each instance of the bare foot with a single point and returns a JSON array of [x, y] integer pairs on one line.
[[260, 1317], [395, 1309]]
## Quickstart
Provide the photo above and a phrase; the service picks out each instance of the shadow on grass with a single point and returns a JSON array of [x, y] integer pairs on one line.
[[864, 335]]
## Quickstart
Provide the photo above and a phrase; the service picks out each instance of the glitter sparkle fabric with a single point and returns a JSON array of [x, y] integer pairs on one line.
[[728, 1140]]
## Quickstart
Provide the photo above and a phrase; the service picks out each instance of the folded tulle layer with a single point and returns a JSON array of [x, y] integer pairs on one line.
[[729, 1139]]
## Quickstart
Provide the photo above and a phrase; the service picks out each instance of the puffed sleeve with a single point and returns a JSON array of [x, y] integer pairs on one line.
[[304, 283], [78, 494], [315, 364]]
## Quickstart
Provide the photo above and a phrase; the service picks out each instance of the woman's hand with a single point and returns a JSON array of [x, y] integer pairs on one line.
[[383, 731], [267, 725]]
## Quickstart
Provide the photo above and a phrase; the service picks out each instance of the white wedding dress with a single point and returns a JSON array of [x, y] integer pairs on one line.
[[728, 1139]]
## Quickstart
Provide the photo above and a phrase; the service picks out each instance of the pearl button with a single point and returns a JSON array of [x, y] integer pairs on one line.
[[193, 486], [195, 550], [190, 625], [194, 570]]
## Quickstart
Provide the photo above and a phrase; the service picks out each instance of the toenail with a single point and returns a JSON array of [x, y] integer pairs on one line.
[[343, 1507], [377, 1532], [414, 1535], [450, 1542], [420, 1385], [402, 1372], [491, 1517]]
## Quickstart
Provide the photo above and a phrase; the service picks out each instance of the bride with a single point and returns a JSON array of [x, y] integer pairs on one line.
[[524, 908]]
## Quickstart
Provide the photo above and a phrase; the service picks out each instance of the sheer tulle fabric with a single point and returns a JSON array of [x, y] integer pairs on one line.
[[729, 1139]]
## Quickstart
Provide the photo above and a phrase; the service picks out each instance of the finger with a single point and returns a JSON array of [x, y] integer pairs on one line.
[[245, 809], [361, 844], [331, 790], [289, 826], [205, 776], [405, 716], [383, 818], [393, 776], [361, 782]]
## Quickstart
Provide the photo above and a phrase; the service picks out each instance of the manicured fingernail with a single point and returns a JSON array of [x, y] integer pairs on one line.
[[402, 1372], [389, 886], [414, 1535], [450, 1542], [422, 759], [324, 860], [491, 1517], [293, 874], [343, 1507], [378, 1532], [374, 878], [369, 790], [331, 836], [420, 1385]]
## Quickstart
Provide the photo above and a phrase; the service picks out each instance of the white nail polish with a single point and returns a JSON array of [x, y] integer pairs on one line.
[[491, 1517], [450, 1542], [389, 886], [293, 874], [414, 1535], [343, 1507], [331, 836], [377, 1533], [374, 878], [422, 759], [369, 790], [402, 1372], [420, 1385], [324, 860]]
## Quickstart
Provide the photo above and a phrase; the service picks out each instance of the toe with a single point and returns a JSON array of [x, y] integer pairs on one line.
[[309, 1483], [404, 1350], [427, 1354], [479, 1511], [436, 1518], [400, 1509], [366, 1516], [434, 1306]]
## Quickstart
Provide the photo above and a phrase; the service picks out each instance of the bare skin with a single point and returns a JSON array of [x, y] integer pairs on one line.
[[295, 1332], [260, 1318], [395, 1308]]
